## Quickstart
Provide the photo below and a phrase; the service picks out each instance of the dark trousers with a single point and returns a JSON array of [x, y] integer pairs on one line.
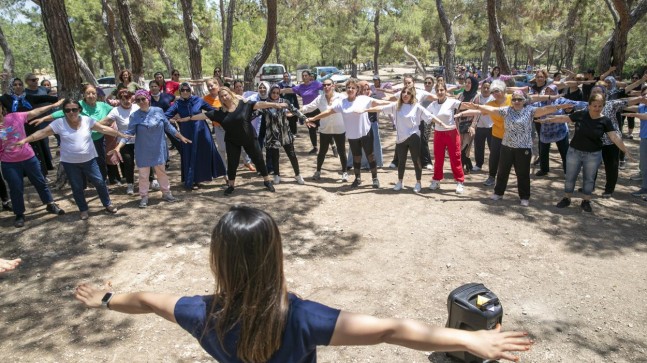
[[520, 159], [113, 173], [252, 149], [100, 146], [292, 121], [411, 143], [273, 154], [544, 153], [483, 135], [128, 165], [326, 140], [3, 189], [495, 155], [313, 131], [611, 159], [366, 143], [425, 154]]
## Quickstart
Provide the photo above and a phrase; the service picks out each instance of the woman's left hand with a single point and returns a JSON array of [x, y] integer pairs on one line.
[[125, 136], [184, 139], [89, 296], [282, 105], [471, 131]]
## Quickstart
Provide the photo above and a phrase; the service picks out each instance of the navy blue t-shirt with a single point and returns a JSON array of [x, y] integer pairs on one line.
[[309, 324]]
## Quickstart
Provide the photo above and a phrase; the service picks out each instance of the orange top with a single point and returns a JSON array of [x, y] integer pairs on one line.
[[497, 120], [214, 102]]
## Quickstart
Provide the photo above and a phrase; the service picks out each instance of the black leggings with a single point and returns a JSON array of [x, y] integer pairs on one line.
[[340, 141], [412, 143], [252, 149], [611, 158], [128, 165], [313, 131], [3, 190], [356, 145], [274, 156]]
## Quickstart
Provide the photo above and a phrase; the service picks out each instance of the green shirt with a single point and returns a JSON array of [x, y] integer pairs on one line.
[[97, 112]]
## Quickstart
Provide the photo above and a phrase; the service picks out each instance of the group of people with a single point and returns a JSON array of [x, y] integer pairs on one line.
[[100, 143]]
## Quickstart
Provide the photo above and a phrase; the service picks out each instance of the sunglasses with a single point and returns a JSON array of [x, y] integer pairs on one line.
[[429, 82], [406, 93], [518, 100], [634, 78], [140, 99], [185, 90], [68, 110]]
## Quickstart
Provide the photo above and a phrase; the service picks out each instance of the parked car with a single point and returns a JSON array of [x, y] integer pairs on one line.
[[270, 72], [337, 77], [107, 81]]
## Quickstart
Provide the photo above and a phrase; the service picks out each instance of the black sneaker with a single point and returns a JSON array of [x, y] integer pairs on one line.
[[19, 222], [269, 186], [586, 206], [357, 182], [54, 209], [229, 190], [541, 173], [313, 151], [6, 206], [565, 202]]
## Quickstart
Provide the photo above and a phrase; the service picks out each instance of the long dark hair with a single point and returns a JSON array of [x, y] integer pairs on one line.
[[251, 292]]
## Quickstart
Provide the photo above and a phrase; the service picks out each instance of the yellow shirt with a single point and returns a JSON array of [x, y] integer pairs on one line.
[[497, 119]]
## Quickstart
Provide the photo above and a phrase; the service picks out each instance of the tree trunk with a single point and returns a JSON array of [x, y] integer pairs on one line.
[[122, 46], [8, 64], [497, 37], [419, 67], [582, 60], [159, 45], [439, 51], [614, 51], [270, 37], [193, 40], [450, 46], [227, 34], [108, 21], [61, 46], [485, 62], [570, 35], [135, 46], [376, 46], [86, 72], [277, 51], [353, 62]]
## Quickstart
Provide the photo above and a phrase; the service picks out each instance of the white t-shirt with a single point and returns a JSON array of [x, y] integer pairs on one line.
[[76, 145], [484, 121], [121, 116], [331, 125], [357, 125], [445, 112], [407, 120]]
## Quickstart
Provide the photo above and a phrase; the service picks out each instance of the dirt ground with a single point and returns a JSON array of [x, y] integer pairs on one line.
[[575, 281]]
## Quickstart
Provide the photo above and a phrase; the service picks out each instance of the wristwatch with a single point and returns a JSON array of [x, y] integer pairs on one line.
[[106, 299]]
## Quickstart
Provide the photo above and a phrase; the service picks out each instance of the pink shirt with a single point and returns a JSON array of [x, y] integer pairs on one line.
[[12, 131]]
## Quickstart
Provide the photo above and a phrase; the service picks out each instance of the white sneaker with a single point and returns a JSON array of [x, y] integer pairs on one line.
[[143, 203], [155, 185], [398, 186], [392, 166], [169, 197], [525, 202], [459, 188], [476, 168], [277, 179], [300, 180], [130, 189], [496, 197], [344, 177], [417, 188], [435, 184], [430, 167]]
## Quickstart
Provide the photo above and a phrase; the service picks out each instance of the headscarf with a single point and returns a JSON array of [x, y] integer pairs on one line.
[[468, 96], [613, 82], [267, 87], [144, 93], [269, 92], [187, 85], [17, 100], [554, 89]]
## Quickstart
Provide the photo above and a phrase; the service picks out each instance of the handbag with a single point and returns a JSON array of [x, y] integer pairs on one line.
[[464, 127]]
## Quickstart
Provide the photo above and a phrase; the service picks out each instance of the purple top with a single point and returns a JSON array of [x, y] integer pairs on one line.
[[308, 92]]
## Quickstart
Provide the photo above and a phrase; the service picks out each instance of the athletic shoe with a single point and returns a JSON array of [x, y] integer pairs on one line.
[[130, 189], [334, 151], [376, 183], [636, 177], [269, 186], [430, 167], [435, 184], [459, 188], [535, 161], [496, 197], [111, 209], [417, 188], [317, 175], [607, 195], [525, 202], [541, 173], [6, 206], [277, 179], [476, 168], [392, 166], [586, 206], [622, 165], [398, 186], [565, 202], [229, 190], [357, 182], [344, 177], [168, 197], [84, 215], [19, 221], [143, 203], [300, 180], [489, 181], [155, 185], [640, 193], [54, 209], [313, 151]]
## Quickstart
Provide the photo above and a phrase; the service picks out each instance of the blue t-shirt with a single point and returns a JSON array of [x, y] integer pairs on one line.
[[643, 123], [309, 324]]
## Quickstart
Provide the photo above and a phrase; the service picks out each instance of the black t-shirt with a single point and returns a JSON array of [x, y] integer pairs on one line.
[[576, 95], [587, 87], [588, 131], [237, 124]]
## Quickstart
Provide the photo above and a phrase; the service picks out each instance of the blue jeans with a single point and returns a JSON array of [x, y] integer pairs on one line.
[[14, 174], [576, 160], [643, 161], [76, 172]]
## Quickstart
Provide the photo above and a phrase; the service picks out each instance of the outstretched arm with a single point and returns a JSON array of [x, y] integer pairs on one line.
[[133, 303], [37, 111], [557, 119], [359, 329], [484, 109], [264, 105], [40, 134], [109, 131], [642, 116], [547, 110], [608, 72]]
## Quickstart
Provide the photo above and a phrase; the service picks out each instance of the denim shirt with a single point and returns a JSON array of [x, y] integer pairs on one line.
[[553, 132]]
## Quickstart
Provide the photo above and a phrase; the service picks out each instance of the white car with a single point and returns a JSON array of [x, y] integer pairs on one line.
[[337, 75], [270, 72]]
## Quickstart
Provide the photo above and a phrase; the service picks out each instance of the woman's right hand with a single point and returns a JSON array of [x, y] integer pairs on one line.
[[37, 121], [494, 344]]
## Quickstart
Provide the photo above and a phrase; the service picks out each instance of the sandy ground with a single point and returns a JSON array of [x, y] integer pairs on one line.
[[575, 281]]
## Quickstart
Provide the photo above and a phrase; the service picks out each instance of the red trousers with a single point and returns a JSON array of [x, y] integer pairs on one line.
[[451, 141]]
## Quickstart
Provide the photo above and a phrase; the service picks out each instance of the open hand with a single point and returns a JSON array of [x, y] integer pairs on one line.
[[89, 296], [184, 139], [495, 344], [9, 265]]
